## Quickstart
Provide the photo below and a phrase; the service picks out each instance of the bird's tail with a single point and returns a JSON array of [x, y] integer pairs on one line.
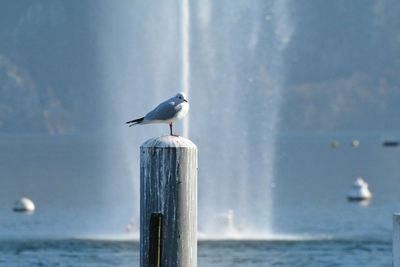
[[134, 122]]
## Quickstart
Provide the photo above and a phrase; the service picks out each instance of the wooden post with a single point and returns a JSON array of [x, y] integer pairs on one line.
[[168, 202], [396, 240]]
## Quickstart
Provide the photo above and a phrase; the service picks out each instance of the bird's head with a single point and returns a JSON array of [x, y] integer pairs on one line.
[[182, 97]]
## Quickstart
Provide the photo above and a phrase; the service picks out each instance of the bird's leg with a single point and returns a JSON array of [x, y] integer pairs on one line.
[[170, 130]]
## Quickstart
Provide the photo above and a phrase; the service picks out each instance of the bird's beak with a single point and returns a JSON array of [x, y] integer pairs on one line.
[[185, 100]]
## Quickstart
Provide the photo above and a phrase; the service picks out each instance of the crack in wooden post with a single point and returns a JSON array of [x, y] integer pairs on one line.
[[155, 240]]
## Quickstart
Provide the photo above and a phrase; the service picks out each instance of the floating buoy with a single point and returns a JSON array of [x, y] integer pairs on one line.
[[226, 220], [335, 144], [355, 143], [390, 143], [359, 191], [24, 205], [130, 227]]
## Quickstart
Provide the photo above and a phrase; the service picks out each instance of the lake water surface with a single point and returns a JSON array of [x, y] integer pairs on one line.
[[83, 210]]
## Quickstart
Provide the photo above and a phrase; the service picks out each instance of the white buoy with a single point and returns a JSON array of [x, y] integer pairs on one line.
[[355, 143], [225, 221], [130, 227], [226, 228], [24, 205], [359, 190]]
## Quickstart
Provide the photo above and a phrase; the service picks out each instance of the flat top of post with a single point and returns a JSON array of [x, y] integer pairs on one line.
[[169, 141]]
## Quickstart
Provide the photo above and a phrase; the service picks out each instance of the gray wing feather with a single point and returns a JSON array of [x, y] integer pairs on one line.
[[164, 111]]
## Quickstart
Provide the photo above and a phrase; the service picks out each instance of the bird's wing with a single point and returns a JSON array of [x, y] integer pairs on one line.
[[164, 111]]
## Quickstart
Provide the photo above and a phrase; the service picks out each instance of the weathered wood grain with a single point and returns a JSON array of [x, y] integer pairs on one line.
[[168, 186]]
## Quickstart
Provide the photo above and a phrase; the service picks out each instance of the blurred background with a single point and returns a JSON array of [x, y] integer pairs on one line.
[[271, 85]]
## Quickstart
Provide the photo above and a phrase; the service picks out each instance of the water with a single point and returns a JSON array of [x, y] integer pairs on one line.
[[222, 254], [82, 212], [65, 178]]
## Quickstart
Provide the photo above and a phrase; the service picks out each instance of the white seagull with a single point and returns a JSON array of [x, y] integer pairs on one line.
[[168, 111]]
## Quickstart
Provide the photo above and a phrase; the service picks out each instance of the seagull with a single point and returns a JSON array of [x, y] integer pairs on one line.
[[168, 111]]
